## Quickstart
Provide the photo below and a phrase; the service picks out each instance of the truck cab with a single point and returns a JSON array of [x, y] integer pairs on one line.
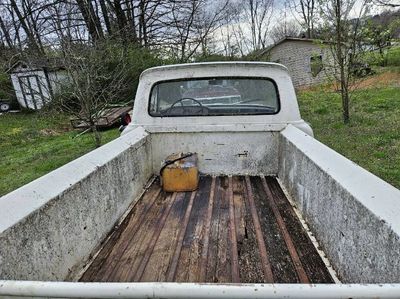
[[217, 95]]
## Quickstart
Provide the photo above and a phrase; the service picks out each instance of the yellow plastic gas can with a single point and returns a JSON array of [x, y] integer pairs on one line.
[[180, 173]]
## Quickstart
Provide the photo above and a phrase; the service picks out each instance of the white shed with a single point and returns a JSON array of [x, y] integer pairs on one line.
[[35, 83], [309, 61]]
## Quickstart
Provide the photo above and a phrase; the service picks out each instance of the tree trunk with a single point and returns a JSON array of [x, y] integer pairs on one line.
[[344, 86], [345, 103], [96, 133], [6, 33], [121, 19], [29, 33], [91, 20], [142, 24], [104, 11], [131, 19]]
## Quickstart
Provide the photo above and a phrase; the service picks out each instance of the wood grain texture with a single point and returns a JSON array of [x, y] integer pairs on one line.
[[232, 229]]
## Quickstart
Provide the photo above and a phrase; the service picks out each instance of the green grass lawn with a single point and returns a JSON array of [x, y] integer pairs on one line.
[[372, 139], [33, 144]]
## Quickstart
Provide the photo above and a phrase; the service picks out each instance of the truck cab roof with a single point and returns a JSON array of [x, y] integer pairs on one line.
[[230, 73]]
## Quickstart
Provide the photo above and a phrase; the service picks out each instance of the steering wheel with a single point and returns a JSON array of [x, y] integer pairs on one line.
[[202, 108]]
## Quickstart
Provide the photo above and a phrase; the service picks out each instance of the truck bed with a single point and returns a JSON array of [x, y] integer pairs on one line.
[[232, 229]]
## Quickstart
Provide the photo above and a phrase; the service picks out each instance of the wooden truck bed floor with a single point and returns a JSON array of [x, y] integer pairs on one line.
[[232, 229]]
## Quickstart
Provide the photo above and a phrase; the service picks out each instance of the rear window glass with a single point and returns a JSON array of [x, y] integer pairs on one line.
[[214, 96]]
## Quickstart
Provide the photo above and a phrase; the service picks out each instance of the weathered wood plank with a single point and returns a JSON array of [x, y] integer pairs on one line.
[[156, 234], [158, 263], [221, 238], [207, 229], [189, 265], [310, 259], [279, 257], [225, 232], [253, 256], [179, 242], [232, 234], [301, 273], [105, 262], [126, 267]]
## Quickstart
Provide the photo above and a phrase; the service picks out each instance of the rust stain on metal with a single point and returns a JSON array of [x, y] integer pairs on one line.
[[286, 236], [268, 275], [204, 254], [233, 236], [178, 248]]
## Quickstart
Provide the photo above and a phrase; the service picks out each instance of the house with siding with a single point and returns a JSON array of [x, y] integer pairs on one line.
[[306, 59]]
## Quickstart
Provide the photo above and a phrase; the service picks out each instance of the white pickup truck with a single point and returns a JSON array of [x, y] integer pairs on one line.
[[276, 214]]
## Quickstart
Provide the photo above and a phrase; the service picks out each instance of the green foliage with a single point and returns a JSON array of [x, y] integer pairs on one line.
[[372, 139], [33, 144], [214, 57], [393, 57], [107, 72], [390, 57], [380, 35], [138, 60], [5, 86]]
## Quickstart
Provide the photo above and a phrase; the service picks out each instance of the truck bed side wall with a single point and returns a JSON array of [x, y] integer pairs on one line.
[[354, 214], [48, 227]]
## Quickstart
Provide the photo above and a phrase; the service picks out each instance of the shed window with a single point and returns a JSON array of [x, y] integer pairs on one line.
[[316, 64]]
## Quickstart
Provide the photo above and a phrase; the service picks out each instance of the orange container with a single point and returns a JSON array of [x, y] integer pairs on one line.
[[181, 175]]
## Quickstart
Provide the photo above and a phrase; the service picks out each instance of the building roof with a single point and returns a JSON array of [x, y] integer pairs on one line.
[[50, 64], [292, 39]]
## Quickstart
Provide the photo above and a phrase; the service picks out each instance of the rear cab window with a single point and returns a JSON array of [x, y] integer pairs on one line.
[[214, 97]]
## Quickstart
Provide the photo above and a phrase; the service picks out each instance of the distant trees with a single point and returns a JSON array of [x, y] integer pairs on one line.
[[305, 12], [389, 3], [285, 29], [247, 26], [379, 34], [179, 28]]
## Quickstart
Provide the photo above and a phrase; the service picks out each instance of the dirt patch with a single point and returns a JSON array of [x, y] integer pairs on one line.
[[55, 132], [49, 132], [380, 80]]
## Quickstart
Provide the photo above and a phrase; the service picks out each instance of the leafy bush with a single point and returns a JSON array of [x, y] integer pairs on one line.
[[391, 57], [5, 86]]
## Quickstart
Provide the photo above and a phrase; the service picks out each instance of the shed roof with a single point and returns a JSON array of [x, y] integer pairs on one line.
[[50, 64], [292, 39]]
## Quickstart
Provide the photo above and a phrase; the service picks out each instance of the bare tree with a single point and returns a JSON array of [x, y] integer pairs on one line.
[[259, 13], [248, 25], [389, 3], [32, 41], [91, 18], [192, 23], [96, 77], [344, 34], [285, 29], [305, 12], [6, 33]]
